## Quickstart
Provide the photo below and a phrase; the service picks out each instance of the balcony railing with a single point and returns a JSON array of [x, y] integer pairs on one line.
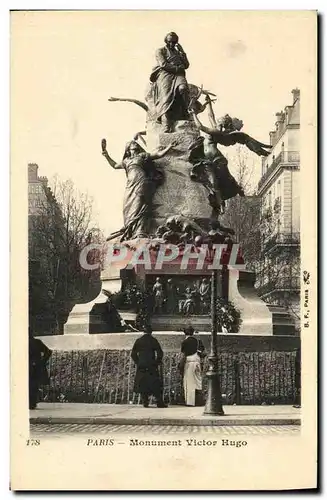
[[279, 284], [290, 238], [288, 157]]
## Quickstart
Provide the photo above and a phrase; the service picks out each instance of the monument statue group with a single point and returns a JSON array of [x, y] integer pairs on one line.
[[177, 186], [185, 150]]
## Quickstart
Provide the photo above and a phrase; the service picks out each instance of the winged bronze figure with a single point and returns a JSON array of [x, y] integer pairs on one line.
[[230, 138]]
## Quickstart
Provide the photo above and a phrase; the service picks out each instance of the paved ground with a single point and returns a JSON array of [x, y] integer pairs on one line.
[[104, 430], [80, 413]]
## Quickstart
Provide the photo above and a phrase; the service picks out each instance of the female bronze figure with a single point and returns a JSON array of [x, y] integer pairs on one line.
[[143, 177]]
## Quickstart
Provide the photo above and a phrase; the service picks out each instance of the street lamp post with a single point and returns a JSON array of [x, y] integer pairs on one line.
[[213, 404]]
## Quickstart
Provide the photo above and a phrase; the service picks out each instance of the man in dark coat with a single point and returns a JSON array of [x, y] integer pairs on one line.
[[147, 355], [39, 354]]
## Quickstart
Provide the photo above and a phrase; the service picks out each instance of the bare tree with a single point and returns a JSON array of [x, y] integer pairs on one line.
[[242, 214], [242, 164], [57, 234]]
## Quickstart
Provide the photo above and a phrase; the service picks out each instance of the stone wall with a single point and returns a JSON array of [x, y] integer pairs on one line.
[[171, 342]]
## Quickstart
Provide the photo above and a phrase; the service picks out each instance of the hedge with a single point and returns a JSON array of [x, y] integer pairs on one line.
[[107, 376]]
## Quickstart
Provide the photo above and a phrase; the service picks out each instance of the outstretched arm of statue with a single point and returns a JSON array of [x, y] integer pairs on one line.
[[211, 114], [139, 136], [125, 99], [199, 125], [162, 152], [105, 153]]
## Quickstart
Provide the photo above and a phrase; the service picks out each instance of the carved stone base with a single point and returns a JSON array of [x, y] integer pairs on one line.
[[85, 318], [91, 317], [256, 316], [179, 195]]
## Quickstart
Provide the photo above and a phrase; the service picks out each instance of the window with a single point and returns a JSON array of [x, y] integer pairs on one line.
[[279, 189]]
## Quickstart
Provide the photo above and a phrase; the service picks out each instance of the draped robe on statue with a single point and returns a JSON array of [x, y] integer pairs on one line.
[[228, 185], [138, 194], [212, 170], [167, 76], [142, 180]]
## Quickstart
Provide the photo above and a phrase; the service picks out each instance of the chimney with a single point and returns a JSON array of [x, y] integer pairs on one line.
[[288, 114], [280, 117], [32, 172], [296, 94], [272, 136], [44, 180]]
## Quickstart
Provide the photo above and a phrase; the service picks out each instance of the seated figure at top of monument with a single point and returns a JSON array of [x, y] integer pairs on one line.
[[170, 91]]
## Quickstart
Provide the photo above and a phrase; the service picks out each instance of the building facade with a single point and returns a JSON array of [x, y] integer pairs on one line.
[[56, 235], [279, 190], [44, 217], [37, 189], [41, 203]]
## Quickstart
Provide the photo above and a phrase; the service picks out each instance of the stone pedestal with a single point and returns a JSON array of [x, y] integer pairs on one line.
[[179, 195], [86, 318], [256, 316], [90, 317]]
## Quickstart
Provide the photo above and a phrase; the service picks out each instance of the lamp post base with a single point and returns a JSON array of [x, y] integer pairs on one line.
[[213, 404]]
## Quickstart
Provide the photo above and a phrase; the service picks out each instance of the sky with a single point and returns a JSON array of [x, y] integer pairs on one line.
[[65, 66]]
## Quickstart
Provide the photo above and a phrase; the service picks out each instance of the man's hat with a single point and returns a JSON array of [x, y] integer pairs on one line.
[[188, 330]]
